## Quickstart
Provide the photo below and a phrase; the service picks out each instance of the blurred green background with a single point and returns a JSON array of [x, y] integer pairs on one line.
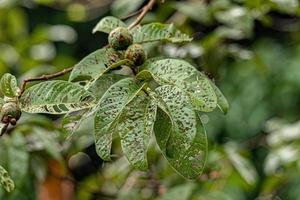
[[250, 48]]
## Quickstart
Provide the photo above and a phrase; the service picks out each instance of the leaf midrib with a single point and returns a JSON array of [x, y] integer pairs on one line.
[[111, 125]]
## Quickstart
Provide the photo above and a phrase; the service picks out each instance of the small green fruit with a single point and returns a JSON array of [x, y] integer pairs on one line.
[[136, 54], [120, 38], [10, 113]]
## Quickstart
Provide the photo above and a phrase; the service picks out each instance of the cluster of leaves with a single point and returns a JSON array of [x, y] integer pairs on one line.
[[164, 97], [261, 80]]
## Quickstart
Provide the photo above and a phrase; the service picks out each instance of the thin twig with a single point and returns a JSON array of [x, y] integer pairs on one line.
[[145, 10], [132, 14], [43, 78]]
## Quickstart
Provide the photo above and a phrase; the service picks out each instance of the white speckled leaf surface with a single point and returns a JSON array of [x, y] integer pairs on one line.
[[108, 112], [183, 75], [179, 133], [90, 67], [158, 32], [135, 126], [56, 97]]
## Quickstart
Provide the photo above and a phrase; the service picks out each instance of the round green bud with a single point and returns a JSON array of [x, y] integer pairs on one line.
[[10, 113], [120, 38], [136, 54]]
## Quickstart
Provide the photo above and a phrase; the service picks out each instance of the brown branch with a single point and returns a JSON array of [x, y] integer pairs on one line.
[[43, 78], [145, 10], [132, 14]]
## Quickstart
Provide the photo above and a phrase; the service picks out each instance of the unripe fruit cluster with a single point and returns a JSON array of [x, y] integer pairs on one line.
[[121, 39], [10, 113]]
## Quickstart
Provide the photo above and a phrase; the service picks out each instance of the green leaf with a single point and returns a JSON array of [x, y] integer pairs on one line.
[[5, 180], [48, 141], [245, 168], [197, 11], [56, 97], [159, 32], [183, 191], [18, 158], [99, 87], [135, 126], [107, 24], [121, 8], [9, 86], [288, 6], [108, 112], [93, 65], [183, 75], [150, 116], [221, 99], [72, 121], [179, 133]]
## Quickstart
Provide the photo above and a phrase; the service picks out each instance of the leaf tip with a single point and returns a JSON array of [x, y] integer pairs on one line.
[[94, 30]]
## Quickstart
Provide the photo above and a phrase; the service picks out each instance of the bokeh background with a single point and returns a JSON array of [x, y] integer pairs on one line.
[[250, 48]]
